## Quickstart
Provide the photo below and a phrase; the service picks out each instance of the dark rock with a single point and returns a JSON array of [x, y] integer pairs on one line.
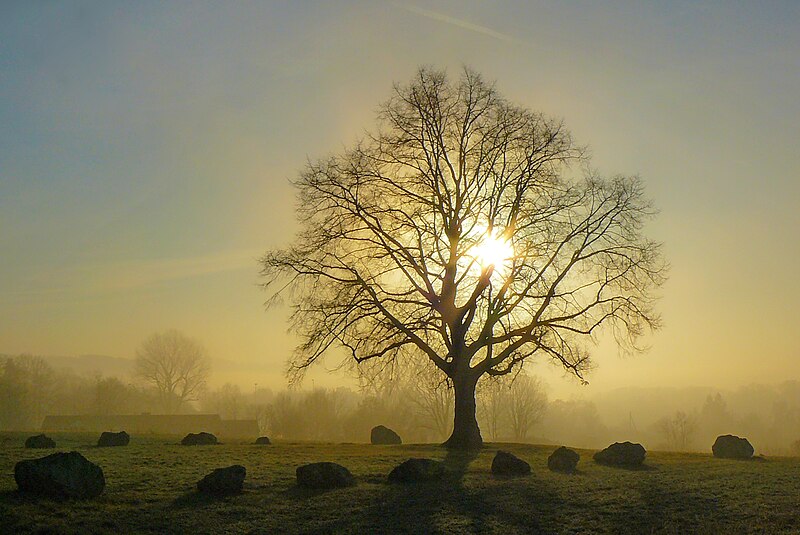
[[624, 454], [223, 481], [563, 460], [324, 476], [507, 464], [417, 470], [384, 435], [199, 439], [63, 475], [732, 447], [263, 441], [40, 442], [108, 439]]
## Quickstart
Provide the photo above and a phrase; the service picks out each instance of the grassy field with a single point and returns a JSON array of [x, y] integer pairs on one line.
[[150, 489]]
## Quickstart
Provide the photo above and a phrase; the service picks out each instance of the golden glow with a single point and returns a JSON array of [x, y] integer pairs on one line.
[[495, 251]]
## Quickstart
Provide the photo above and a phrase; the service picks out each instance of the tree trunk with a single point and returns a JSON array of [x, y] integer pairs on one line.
[[466, 434]]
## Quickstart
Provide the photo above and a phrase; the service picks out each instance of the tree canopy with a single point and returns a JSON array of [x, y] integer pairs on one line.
[[176, 365], [468, 231]]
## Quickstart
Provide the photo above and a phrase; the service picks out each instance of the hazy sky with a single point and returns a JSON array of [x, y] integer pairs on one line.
[[146, 150]]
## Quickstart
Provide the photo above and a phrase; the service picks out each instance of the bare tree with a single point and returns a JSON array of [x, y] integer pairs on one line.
[[462, 232], [228, 401], [678, 431], [492, 404], [430, 393], [176, 365], [527, 402]]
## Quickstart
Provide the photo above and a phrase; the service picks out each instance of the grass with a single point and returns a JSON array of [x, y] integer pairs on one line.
[[150, 489]]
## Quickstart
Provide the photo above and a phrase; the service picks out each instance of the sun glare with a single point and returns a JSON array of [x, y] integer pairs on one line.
[[494, 251]]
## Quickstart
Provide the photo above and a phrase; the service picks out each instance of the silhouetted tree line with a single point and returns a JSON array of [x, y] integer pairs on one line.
[[31, 389], [768, 415], [420, 408]]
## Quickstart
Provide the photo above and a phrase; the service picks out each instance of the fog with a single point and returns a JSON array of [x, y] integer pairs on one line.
[[420, 408], [145, 159]]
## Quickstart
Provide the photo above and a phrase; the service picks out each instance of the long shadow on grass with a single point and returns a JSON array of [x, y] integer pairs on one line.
[[669, 510], [446, 506], [194, 500]]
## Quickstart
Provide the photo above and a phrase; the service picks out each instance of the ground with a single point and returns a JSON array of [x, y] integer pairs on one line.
[[150, 489]]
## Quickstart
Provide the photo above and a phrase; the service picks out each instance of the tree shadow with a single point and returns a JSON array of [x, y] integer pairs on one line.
[[664, 510], [196, 500], [296, 492], [457, 462], [451, 504], [640, 468]]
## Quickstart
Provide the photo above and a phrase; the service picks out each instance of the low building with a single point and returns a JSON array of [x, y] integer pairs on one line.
[[157, 424]]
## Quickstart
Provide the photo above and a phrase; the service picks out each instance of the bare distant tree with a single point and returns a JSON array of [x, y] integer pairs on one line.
[[678, 431], [459, 232], [430, 393], [527, 402], [228, 401], [492, 404], [176, 365]]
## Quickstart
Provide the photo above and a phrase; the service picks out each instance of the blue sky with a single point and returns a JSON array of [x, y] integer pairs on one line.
[[146, 151]]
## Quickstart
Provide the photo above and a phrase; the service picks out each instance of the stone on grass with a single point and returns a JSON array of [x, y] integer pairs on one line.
[[732, 447], [416, 471], [109, 439], [563, 460], [60, 475], [223, 481], [324, 475], [263, 441], [507, 464], [40, 442], [625, 454], [384, 435], [199, 439]]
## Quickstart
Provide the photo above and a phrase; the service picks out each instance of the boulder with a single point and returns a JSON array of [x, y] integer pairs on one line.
[[108, 439], [60, 475], [263, 441], [324, 476], [507, 464], [625, 454], [223, 481], [732, 447], [563, 460], [417, 470], [40, 442], [199, 439], [384, 435]]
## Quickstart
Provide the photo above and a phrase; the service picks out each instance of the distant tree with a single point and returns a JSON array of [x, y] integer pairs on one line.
[[430, 393], [228, 401], [111, 396], [13, 392], [27, 391], [283, 417], [459, 233], [492, 402], [177, 366], [324, 410], [678, 431], [527, 402], [575, 422]]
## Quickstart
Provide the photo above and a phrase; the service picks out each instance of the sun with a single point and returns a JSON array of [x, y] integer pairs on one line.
[[496, 251]]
